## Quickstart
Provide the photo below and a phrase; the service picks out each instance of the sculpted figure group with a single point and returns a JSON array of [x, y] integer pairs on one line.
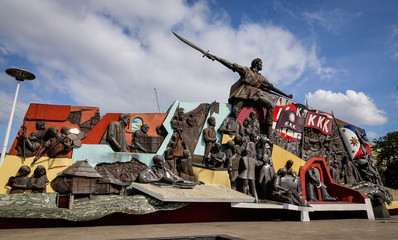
[[48, 141], [249, 163], [158, 173], [21, 182], [28, 146], [247, 157], [287, 186], [342, 169]]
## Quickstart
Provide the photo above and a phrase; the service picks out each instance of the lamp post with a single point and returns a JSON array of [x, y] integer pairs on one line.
[[20, 75]]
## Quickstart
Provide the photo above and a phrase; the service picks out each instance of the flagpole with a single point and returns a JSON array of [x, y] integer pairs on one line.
[[4, 149], [20, 75]]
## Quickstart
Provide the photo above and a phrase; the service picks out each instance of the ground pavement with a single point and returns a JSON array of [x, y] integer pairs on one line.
[[315, 229]]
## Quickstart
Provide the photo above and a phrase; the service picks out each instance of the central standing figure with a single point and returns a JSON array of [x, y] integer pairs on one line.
[[247, 88]]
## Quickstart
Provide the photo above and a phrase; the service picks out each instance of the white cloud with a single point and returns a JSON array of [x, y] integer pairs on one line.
[[112, 54], [333, 20], [393, 43], [353, 107]]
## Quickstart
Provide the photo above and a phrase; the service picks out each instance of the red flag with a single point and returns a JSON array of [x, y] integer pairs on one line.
[[321, 121], [279, 109], [288, 119]]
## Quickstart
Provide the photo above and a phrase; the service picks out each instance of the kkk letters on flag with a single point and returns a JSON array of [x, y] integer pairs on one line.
[[321, 121], [302, 110], [289, 119], [351, 141]]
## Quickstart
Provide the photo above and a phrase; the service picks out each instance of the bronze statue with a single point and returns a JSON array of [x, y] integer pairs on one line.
[[210, 138], [28, 146], [255, 124], [266, 171], [229, 152], [39, 180], [115, 135], [313, 183], [368, 170], [350, 172], [159, 174], [247, 174], [246, 89], [247, 129], [286, 189], [56, 144], [217, 158], [184, 164], [21, 181], [138, 136], [233, 166], [41, 128], [289, 169], [169, 153], [178, 121], [232, 125], [251, 146]]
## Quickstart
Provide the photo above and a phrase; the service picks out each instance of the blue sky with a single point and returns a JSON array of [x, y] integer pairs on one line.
[[341, 56]]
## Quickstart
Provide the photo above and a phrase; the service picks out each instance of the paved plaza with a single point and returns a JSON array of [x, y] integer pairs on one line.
[[315, 229]]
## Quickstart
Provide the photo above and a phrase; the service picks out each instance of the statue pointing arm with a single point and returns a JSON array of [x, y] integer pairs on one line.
[[246, 89], [266, 85], [233, 66]]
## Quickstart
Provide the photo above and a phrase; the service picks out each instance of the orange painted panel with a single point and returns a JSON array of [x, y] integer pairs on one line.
[[48, 112], [52, 115], [56, 115]]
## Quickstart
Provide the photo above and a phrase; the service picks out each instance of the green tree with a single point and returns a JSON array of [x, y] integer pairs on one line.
[[387, 147]]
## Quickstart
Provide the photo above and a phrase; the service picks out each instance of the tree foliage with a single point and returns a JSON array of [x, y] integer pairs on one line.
[[387, 147]]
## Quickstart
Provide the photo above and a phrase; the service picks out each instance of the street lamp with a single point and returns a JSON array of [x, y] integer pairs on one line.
[[20, 75]]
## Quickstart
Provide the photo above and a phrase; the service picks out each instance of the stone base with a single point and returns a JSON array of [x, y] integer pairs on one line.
[[200, 193], [276, 205], [315, 207], [325, 206]]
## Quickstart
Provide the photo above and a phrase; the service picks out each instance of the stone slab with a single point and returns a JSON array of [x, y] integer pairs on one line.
[[367, 206], [304, 216], [285, 206], [200, 193], [315, 207]]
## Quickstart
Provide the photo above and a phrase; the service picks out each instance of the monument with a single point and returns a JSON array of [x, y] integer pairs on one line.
[[258, 150]]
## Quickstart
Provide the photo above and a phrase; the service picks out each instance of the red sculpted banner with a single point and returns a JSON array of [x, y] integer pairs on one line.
[[321, 121]]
